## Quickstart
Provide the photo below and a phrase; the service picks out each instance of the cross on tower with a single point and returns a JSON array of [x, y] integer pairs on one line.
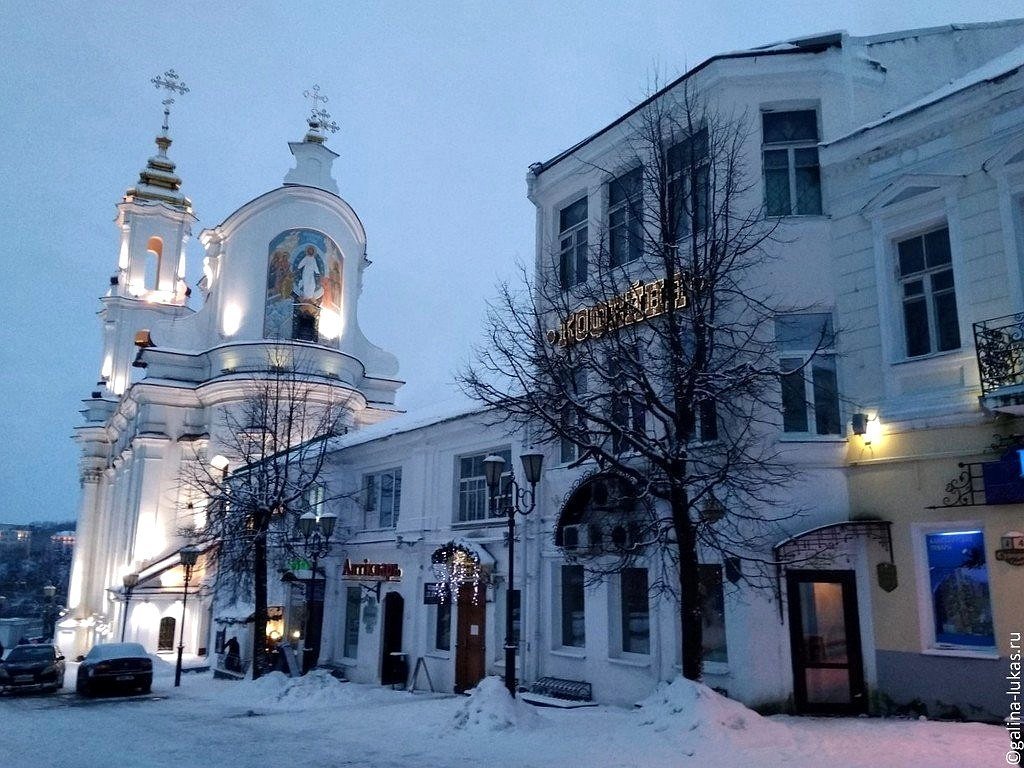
[[169, 82], [318, 115]]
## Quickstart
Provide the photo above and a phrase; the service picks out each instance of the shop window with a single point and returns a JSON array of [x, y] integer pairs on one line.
[[930, 319], [635, 612], [443, 626], [382, 494], [958, 576], [688, 184], [472, 489], [810, 390], [625, 218], [792, 176], [573, 611], [712, 615], [353, 605], [572, 244], [165, 640]]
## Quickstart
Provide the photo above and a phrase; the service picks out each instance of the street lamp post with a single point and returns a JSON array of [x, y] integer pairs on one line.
[[129, 580], [189, 556], [48, 592], [521, 501], [316, 533]]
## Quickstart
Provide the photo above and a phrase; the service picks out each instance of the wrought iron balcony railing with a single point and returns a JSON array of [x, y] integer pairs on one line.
[[999, 343]]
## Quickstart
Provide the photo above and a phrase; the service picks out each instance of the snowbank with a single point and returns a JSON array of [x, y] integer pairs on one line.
[[490, 708], [315, 690], [695, 712]]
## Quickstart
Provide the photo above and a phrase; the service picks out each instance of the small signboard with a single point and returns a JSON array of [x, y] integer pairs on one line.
[[435, 593]]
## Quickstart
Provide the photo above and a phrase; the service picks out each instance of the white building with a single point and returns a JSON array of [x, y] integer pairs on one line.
[[282, 278]]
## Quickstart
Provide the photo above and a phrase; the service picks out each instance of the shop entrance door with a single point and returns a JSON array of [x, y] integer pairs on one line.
[[393, 667], [470, 648], [824, 631]]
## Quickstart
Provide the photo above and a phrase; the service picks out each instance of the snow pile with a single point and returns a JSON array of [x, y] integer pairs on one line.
[[314, 690], [490, 708], [692, 709]]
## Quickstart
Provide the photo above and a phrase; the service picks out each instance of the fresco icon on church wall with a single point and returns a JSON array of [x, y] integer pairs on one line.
[[303, 281]]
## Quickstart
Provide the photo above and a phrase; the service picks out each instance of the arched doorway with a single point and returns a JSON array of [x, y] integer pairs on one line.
[[165, 640], [394, 668]]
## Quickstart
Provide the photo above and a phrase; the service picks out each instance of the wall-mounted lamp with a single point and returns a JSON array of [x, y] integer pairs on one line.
[[865, 426]]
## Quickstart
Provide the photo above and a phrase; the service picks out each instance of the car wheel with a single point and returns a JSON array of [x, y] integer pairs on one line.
[[81, 687]]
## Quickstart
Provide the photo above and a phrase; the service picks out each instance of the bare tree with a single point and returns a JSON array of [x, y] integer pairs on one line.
[[275, 442], [650, 350]]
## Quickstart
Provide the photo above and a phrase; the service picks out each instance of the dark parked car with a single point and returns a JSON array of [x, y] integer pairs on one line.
[[32, 668], [115, 666]]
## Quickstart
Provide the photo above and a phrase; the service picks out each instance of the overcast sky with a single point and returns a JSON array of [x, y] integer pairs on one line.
[[442, 107]]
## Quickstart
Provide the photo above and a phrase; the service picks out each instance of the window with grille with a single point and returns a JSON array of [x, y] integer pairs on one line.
[[792, 176]]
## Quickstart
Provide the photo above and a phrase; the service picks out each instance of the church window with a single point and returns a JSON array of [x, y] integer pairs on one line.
[[151, 268]]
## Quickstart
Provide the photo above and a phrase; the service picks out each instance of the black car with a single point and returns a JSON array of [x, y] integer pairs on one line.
[[32, 667], [115, 666]]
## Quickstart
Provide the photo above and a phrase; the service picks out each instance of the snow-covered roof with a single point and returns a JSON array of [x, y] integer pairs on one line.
[[994, 69], [441, 411]]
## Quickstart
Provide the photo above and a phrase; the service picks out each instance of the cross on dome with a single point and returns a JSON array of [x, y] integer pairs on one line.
[[170, 82], [319, 118]]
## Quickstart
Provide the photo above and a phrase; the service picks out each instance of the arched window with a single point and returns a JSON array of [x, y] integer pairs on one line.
[[154, 256], [165, 641]]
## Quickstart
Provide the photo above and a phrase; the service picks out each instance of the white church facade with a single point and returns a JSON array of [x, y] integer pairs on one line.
[[829, 635]]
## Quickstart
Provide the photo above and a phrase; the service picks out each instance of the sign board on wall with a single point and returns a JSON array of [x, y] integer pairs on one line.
[[367, 571]]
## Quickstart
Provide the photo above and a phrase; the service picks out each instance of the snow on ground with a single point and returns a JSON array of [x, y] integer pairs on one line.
[[319, 721]]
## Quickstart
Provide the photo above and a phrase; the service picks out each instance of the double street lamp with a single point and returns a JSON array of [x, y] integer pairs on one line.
[[130, 581], [522, 501], [316, 533], [189, 557]]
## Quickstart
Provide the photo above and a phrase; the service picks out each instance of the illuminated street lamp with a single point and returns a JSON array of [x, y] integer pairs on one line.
[[130, 580], [521, 501], [189, 556]]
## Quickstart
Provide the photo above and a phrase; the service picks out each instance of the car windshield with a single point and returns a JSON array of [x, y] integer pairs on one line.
[[116, 651], [31, 653]]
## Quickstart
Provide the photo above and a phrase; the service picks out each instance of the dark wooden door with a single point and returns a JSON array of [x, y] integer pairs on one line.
[[393, 668], [470, 646], [824, 631]]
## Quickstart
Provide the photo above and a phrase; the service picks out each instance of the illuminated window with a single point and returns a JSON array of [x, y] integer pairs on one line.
[[958, 583]]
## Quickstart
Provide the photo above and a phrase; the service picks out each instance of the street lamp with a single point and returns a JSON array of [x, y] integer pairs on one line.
[[522, 501], [316, 533], [48, 621], [189, 556], [130, 580]]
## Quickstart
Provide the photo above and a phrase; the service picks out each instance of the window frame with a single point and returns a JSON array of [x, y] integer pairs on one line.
[[791, 148], [631, 209], [618, 624], [806, 357], [491, 511], [681, 182], [561, 606], [928, 294], [376, 506], [571, 251], [351, 619]]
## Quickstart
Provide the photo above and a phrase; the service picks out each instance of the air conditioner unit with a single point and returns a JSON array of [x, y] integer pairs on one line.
[[575, 537]]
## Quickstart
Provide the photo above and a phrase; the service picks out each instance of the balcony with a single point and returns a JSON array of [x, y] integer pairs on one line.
[[999, 344]]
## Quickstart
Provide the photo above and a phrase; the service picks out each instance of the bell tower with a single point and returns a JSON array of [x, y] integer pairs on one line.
[[155, 221]]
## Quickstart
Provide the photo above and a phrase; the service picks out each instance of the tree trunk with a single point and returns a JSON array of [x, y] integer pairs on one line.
[[259, 629], [689, 586]]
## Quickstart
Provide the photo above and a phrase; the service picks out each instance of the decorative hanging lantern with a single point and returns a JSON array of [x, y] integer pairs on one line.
[[454, 565]]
